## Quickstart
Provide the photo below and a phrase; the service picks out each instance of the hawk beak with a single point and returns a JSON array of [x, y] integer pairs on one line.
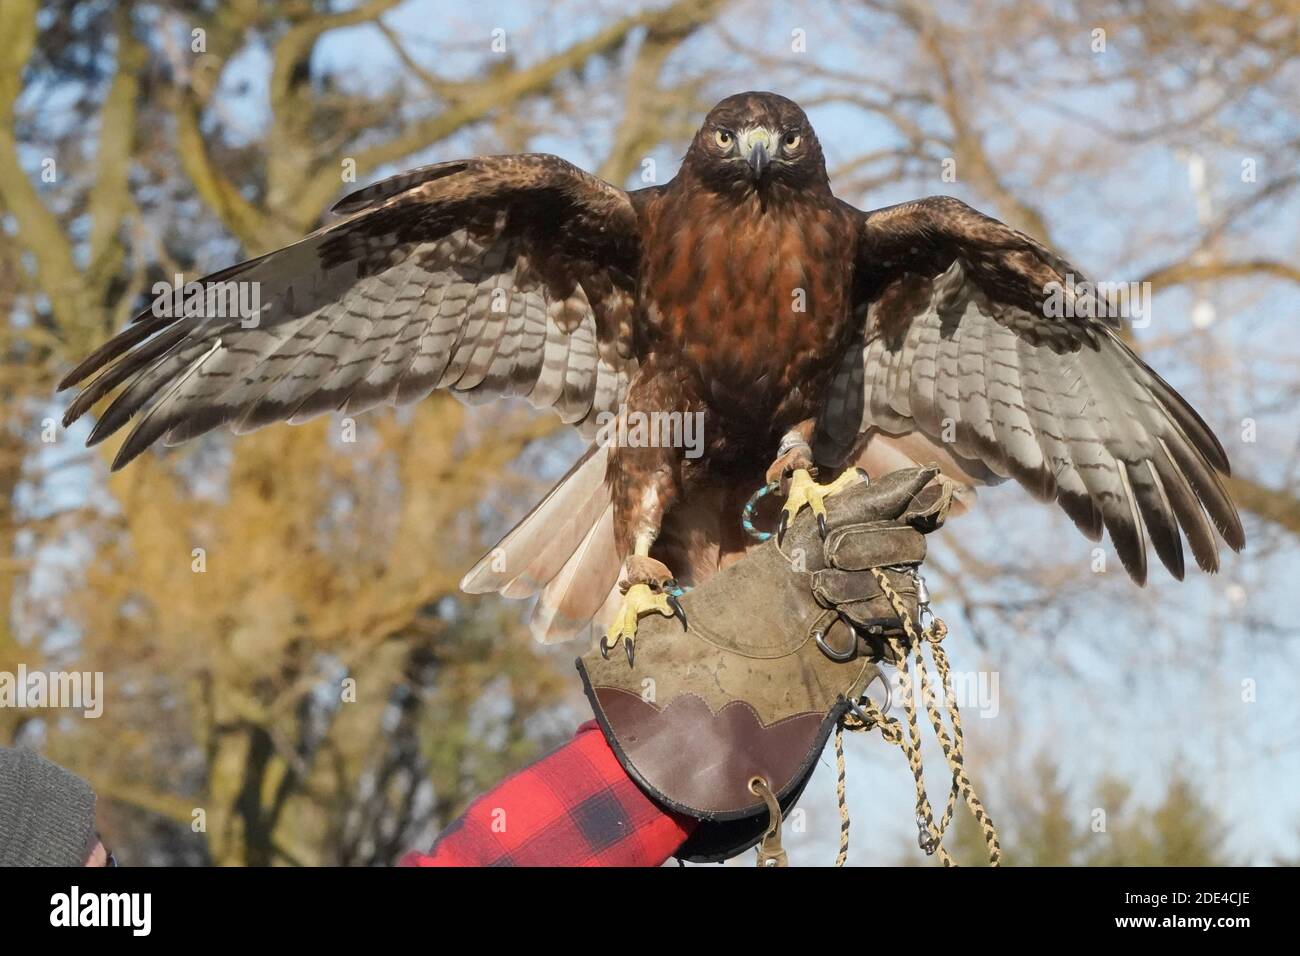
[[756, 146]]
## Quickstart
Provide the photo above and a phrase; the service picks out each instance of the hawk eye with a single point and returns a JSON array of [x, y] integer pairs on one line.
[[723, 138], [791, 141]]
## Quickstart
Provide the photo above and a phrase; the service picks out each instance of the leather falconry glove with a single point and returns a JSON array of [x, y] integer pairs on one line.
[[737, 708]]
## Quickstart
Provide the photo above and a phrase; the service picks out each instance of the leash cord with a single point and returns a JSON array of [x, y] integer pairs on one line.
[[930, 834]]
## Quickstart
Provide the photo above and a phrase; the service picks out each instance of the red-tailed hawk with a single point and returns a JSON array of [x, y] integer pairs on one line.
[[743, 298]]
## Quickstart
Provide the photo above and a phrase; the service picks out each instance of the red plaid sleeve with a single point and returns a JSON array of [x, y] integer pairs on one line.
[[574, 807]]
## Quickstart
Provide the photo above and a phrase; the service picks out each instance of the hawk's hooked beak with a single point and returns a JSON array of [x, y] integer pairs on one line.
[[756, 148]]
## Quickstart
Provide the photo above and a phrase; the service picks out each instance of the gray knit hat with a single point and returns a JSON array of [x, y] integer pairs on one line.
[[47, 814]]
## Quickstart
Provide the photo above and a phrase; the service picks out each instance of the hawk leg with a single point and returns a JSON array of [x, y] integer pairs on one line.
[[649, 587], [645, 484], [794, 470], [805, 491]]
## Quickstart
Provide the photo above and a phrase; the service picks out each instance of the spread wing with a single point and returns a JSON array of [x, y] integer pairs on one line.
[[508, 275], [963, 342]]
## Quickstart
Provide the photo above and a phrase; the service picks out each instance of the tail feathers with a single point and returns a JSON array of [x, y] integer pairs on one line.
[[564, 548], [557, 537], [526, 559], [581, 590]]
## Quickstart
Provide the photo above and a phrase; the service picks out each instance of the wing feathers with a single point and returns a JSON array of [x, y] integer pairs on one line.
[[1187, 508], [1068, 411], [372, 195], [433, 281], [1157, 515]]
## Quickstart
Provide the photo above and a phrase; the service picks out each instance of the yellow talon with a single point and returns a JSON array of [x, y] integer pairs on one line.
[[805, 491], [639, 600]]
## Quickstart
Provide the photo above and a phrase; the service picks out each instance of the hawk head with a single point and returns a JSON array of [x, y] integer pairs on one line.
[[757, 142]]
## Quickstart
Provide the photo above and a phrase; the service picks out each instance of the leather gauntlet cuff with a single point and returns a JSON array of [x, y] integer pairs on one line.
[[848, 586], [698, 762], [778, 646]]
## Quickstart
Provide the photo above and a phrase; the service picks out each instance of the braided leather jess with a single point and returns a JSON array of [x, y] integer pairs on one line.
[[953, 748]]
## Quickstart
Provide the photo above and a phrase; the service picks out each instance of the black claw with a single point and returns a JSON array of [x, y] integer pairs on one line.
[[780, 529], [631, 653], [821, 525], [604, 649], [678, 611]]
